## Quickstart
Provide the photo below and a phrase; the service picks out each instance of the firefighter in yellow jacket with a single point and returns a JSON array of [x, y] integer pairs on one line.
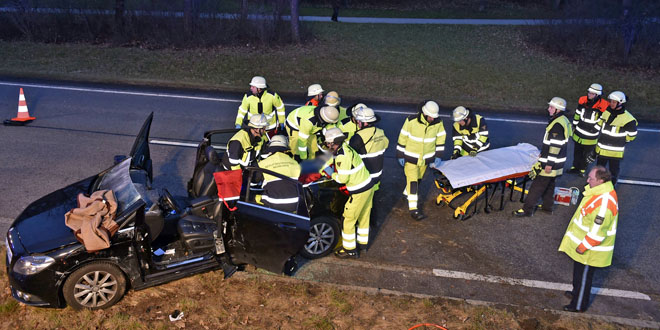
[[244, 147], [589, 238], [262, 102], [470, 133], [421, 142], [346, 167], [278, 193]]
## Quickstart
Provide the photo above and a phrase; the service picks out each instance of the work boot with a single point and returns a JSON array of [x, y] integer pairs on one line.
[[583, 173], [573, 170], [417, 215], [571, 308], [521, 213], [362, 248], [344, 254], [540, 207]]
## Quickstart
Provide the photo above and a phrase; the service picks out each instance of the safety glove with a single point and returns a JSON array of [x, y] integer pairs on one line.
[[536, 169], [402, 162], [473, 153], [238, 126], [328, 171], [591, 156], [456, 154], [436, 163]]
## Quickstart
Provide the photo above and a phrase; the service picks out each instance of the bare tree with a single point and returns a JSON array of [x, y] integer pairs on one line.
[[244, 9], [120, 7], [295, 23]]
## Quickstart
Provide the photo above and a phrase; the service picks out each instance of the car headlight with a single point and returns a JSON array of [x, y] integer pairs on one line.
[[30, 265]]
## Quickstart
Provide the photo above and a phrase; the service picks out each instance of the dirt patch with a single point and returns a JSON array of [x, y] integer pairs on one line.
[[256, 300]]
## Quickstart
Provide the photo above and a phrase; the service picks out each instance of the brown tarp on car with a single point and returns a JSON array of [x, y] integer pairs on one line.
[[93, 220]]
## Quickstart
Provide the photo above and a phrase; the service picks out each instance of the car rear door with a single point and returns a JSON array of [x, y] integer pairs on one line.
[[267, 237]]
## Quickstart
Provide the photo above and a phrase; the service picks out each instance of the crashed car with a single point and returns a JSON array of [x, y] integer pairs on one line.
[[160, 237]]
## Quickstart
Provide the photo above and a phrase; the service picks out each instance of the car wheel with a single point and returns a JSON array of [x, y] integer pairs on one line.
[[323, 236], [96, 285]]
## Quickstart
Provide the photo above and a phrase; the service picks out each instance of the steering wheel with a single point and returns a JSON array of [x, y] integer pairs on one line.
[[168, 202]]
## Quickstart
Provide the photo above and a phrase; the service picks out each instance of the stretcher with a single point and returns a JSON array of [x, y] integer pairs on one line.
[[465, 181]]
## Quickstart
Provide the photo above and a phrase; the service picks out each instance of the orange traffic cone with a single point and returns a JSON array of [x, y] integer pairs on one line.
[[23, 116]]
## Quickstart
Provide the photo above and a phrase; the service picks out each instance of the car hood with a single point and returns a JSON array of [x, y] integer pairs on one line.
[[40, 227]]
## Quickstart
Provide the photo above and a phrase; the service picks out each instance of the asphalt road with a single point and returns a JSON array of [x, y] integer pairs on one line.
[[79, 128]]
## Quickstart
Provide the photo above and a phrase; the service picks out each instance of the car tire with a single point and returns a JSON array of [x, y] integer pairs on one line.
[[324, 234], [96, 285]]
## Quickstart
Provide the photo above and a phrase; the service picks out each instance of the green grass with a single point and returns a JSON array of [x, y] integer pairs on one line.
[[483, 67]]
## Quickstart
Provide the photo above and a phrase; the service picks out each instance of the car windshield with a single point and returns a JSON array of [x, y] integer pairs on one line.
[[118, 179]]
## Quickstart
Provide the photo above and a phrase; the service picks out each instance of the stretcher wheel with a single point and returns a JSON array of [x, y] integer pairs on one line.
[[460, 216]]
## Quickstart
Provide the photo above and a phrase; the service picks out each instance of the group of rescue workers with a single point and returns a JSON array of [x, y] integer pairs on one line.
[[352, 151]]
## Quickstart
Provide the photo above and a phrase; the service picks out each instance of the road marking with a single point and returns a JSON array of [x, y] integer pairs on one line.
[[174, 143], [204, 98], [640, 183], [537, 284]]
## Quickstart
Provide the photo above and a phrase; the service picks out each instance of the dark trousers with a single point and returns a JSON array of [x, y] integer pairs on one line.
[[582, 276], [614, 166], [542, 187], [580, 152]]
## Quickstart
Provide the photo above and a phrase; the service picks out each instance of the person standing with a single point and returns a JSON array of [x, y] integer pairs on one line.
[[315, 91], [243, 148], [590, 235], [470, 133], [551, 160], [585, 125], [369, 142], [262, 102], [617, 128], [421, 142], [345, 167], [310, 125]]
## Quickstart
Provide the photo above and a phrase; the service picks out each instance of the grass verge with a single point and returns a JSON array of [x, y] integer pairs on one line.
[[483, 67]]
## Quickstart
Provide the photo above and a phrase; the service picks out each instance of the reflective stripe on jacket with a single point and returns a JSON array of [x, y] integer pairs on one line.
[[585, 120], [370, 143], [555, 142], [309, 126], [349, 170], [269, 104], [420, 141], [293, 119], [593, 227], [242, 149], [280, 194], [616, 129], [472, 137]]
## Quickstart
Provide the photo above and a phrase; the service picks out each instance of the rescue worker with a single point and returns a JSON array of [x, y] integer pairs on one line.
[[421, 142], [370, 143], [585, 126], [470, 133], [310, 126], [346, 167], [316, 92], [590, 235], [278, 193], [551, 160], [332, 99], [349, 125], [293, 124], [243, 148], [261, 102], [617, 127]]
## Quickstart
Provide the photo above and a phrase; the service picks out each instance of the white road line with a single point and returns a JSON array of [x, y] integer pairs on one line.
[[537, 284], [179, 96], [174, 143], [641, 183]]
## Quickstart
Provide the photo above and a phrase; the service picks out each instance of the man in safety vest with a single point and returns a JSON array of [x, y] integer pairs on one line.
[[617, 127], [311, 124], [470, 133], [589, 238], [369, 142], [261, 102], [346, 167], [316, 92], [279, 194], [243, 148], [585, 125], [421, 142], [551, 160]]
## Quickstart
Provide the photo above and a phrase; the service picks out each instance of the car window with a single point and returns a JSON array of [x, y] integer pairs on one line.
[[220, 139]]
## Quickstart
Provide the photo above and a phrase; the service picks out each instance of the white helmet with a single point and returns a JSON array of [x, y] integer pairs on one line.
[[460, 113], [596, 89], [258, 82], [279, 140], [314, 89], [431, 109], [618, 96], [258, 121], [332, 99], [364, 114], [329, 114], [334, 135], [558, 103]]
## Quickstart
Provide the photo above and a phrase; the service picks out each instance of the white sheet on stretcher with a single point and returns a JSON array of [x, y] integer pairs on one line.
[[490, 164]]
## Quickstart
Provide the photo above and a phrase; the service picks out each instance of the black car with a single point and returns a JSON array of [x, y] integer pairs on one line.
[[160, 238]]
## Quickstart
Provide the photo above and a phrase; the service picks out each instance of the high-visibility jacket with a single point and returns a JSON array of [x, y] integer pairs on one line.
[[349, 127], [269, 104], [349, 170], [420, 141], [294, 117], [313, 102], [585, 120], [555, 142], [242, 150], [617, 127], [471, 137], [370, 143], [309, 127], [593, 227], [280, 194]]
